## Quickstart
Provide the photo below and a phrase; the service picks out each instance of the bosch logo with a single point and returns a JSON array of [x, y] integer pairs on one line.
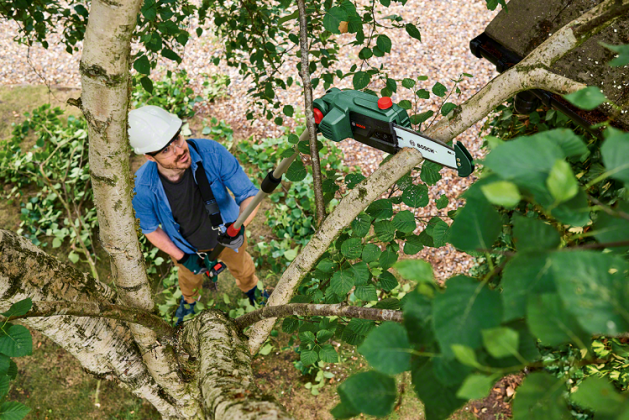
[[428, 149]]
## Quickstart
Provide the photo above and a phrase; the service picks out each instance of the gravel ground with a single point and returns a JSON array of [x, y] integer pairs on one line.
[[446, 27]]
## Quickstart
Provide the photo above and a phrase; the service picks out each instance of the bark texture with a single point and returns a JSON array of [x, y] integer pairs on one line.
[[530, 73], [104, 71], [103, 347], [224, 376], [308, 309]]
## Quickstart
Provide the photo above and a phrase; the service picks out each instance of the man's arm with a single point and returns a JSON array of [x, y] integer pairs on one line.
[[160, 239], [243, 206]]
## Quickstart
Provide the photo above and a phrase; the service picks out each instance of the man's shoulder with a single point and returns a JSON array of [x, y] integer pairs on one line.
[[144, 175]]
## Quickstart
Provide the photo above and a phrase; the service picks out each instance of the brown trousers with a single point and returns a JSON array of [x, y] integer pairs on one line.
[[240, 265]]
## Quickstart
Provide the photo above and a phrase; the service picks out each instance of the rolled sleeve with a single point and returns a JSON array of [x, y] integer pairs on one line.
[[234, 177], [145, 212]]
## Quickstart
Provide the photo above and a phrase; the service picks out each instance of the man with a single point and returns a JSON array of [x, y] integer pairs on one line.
[[171, 201]]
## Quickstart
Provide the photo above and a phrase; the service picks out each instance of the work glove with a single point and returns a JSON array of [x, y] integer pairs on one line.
[[257, 297], [193, 263], [182, 311], [232, 242]]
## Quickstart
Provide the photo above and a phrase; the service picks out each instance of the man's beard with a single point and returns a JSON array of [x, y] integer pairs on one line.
[[178, 164]]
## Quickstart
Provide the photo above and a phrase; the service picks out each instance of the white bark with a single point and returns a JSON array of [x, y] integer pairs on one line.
[[101, 346], [531, 73], [224, 375], [105, 81]]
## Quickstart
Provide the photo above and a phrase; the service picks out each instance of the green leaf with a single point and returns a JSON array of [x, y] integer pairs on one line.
[[623, 54], [413, 31], [465, 355], [599, 395], [551, 323], [533, 234], [615, 150], [571, 144], [324, 335], [307, 337], [19, 308], [328, 354], [416, 196], [371, 253], [501, 341], [296, 171], [483, 310], [142, 65], [365, 53], [541, 397], [308, 357], [342, 281], [439, 90], [416, 270], [561, 182], [388, 257], [290, 324], [384, 229], [593, 288], [361, 273], [417, 309], [611, 229], [362, 223], [440, 401], [4, 385], [352, 248], [438, 230], [476, 226], [387, 281], [388, 303], [13, 410], [404, 221], [405, 104], [442, 202], [430, 172], [475, 387], [366, 292], [413, 245], [16, 341], [587, 98], [423, 94], [408, 83], [380, 209], [502, 193], [373, 393], [384, 43], [288, 110], [387, 349], [73, 257], [447, 108], [523, 276], [361, 80], [420, 118], [56, 243], [171, 55], [333, 19], [293, 139], [575, 212], [353, 179]]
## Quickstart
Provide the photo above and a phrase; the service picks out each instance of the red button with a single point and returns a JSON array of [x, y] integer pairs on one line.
[[385, 102], [318, 115]]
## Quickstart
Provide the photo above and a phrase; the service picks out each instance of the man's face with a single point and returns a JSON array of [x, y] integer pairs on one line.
[[174, 156]]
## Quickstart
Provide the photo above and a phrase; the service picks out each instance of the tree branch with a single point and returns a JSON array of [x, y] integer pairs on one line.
[[496, 92], [99, 310], [308, 309], [310, 122]]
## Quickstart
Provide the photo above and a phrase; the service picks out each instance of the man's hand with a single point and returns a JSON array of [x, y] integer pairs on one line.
[[234, 242], [193, 263]]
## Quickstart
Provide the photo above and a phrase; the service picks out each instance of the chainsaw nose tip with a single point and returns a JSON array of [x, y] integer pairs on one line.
[[385, 102]]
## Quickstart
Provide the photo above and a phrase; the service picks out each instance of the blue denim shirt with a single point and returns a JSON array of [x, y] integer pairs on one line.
[[223, 171]]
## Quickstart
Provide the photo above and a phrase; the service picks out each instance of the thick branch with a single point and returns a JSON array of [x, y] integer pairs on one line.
[[495, 93], [308, 309], [224, 374], [99, 310], [310, 122], [616, 10]]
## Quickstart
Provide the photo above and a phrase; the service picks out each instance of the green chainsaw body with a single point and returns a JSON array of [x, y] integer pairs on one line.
[[342, 114]]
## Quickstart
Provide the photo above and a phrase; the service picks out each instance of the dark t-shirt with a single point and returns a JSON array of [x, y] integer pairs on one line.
[[189, 212]]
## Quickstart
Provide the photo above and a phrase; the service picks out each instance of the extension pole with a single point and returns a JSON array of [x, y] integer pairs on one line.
[[272, 180]]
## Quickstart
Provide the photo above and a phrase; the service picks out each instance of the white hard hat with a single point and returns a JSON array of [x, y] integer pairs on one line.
[[151, 128]]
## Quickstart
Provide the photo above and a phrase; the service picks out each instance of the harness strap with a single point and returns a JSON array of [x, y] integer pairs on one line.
[[211, 206]]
